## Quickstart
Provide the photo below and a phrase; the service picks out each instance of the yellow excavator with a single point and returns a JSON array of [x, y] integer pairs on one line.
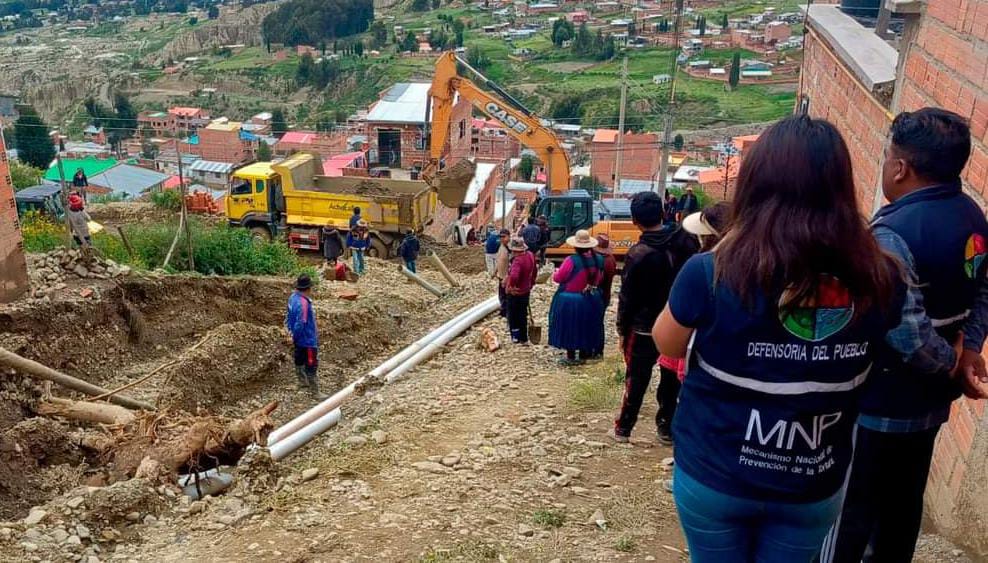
[[567, 210]]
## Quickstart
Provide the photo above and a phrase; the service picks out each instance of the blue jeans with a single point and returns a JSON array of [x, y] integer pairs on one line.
[[410, 264], [722, 528], [358, 261]]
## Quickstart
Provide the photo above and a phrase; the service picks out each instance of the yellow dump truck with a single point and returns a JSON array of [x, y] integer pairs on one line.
[[293, 198]]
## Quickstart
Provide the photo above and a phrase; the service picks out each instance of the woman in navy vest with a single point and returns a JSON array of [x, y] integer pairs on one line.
[[786, 314]]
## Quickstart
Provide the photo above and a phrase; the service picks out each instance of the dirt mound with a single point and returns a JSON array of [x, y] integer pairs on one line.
[[227, 364], [36, 459], [125, 212], [458, 259]]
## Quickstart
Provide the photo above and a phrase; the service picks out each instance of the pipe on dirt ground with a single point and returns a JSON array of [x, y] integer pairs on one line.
[[438, 263], [477, 313], [289, 444], [418, 279], [40, 371], [377, 373]]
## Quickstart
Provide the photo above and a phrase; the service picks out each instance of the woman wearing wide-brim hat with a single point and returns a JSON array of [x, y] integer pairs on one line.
[[576, 314]]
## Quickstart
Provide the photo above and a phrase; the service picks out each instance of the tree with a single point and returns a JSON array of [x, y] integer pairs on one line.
[[562, 30], [305, 70], [458, 28], [193, 20], [126, 118], [213, 12], [477, 59], [379, 34], [149, 150], [358, 48], [702, 25], [525, 167], [305, 22], [678, 142], [735, 76], [724, 23], [24, 175], [568, 107], [592, 185], [583, 41], [608, 49], [278, 125], [98, 113], [410, 43], [34, 146], [420, 5], [263, 152], [436, 4]]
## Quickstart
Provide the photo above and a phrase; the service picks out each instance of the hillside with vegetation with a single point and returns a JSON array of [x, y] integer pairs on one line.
[[310, 22]]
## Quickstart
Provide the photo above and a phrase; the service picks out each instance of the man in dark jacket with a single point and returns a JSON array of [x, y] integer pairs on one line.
[[650, 267], [544, 232], [532, 235], [688, 204], [355, 218], [940, 236], [409, 250]]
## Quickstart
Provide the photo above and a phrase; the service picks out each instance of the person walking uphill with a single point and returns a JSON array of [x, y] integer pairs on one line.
[[409, 250], [518, 289], [358, 241], [786, 319], [576, 314], [941, 237], [300, 321], [650, 267]]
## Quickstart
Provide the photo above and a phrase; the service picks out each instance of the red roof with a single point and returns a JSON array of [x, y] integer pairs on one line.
[[605, 136], [299, 137], [334, 165], [172, 182], [477, 123], [185, 111], [717, 174]]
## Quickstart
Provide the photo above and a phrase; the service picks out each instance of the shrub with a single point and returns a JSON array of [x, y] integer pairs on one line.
[[167, 199], [549, 518]]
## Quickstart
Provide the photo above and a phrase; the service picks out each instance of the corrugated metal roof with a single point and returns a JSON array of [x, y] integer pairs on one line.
[[629, 186], [404, 102], [90, 167], [128, 179], [484, 171], [211, 166]]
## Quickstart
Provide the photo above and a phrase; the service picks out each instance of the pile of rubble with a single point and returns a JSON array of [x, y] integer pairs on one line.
[[50, 271]]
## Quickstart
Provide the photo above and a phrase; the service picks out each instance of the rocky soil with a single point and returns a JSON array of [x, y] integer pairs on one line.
[[49, 272], [473, 456]]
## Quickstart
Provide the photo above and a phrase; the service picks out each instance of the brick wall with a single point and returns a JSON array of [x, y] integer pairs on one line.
[[836, 95], [640, 159], [947, 66], [13, 268], [221, 146]]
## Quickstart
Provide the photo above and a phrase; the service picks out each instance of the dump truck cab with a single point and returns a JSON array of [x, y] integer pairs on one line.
[[254, 200]]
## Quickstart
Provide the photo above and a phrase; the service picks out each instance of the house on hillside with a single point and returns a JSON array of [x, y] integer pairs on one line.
[[396, 127], [323, 144], [127, 180], [94, 134], [490, 140], [211, 173], [640, 161]]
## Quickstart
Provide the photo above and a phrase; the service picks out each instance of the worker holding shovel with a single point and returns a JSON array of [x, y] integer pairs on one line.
[[301, 324]]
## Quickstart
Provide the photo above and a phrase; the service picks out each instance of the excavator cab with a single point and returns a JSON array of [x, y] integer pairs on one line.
[[567, 213]]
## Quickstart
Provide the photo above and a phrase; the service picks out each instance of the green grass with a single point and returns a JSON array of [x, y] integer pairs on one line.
[[549, 518], [252, 57], [625, 544], [600, 389], [474, 551]]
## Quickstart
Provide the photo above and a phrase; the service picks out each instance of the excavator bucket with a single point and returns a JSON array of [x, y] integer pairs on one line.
[[452, 182]]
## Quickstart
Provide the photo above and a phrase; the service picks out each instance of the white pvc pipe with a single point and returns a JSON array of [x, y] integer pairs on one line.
[[433, 347], [340, 396], [291, 443]]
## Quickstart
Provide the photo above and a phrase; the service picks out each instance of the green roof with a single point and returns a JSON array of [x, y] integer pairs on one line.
[[91, 166]]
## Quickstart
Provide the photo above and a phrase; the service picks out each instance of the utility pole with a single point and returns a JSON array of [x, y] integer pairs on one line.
[[670, 110], [620, 137], [65, 197], [185, 211], [506, 163], [729, 149]]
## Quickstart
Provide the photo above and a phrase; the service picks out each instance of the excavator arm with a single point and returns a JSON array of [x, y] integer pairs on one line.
[[519, 122]]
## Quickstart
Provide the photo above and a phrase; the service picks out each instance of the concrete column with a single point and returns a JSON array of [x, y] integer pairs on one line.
[[13, 267]]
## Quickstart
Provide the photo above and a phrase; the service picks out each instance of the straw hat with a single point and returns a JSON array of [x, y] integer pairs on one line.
[[582, 239], [517, 244], [604, 244], [696, 223]]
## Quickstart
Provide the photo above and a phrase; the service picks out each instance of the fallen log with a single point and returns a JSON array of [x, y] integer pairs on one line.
[[85, 411], [40, 371]]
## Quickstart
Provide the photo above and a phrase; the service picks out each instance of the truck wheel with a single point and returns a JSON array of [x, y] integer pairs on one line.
[[377, 248], [261, 233]]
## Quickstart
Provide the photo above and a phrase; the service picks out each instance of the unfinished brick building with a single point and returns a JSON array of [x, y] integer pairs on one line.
[[13, 268], [859, 81]]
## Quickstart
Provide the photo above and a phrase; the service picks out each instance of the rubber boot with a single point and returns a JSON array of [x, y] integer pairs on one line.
[[302, 380], [314, 388]]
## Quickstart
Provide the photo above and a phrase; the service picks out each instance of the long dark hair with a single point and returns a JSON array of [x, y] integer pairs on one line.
[[795, 218]]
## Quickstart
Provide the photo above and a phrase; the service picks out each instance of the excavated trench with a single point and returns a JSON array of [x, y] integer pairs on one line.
[[218, 346]]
